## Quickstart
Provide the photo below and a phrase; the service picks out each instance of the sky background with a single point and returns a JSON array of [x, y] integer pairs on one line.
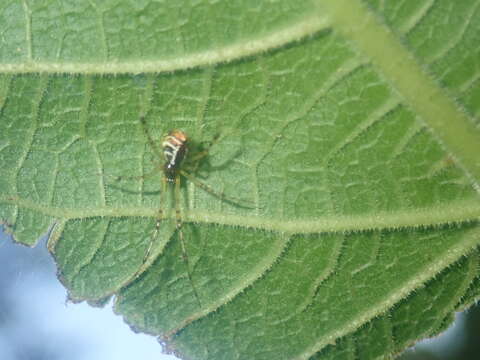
[[36, 323]]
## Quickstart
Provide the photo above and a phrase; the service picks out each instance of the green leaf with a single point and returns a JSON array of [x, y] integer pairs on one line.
[[352, 127]]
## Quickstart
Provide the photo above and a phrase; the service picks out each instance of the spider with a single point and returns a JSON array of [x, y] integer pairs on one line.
[[174, 152]]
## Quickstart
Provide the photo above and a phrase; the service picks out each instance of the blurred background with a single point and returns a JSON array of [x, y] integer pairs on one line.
[[37, 324]]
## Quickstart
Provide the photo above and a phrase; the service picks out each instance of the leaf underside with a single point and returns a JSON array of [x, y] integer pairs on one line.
[[351, 127]]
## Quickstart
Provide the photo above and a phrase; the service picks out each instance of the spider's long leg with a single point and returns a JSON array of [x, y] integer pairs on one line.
[[178, 218], [155, 170], [197, 158], [158, 153], [220, 195], [204, 153], [152, 143], [153, 237]]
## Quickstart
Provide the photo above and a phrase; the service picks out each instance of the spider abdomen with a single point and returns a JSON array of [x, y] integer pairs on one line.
[[174, 150]]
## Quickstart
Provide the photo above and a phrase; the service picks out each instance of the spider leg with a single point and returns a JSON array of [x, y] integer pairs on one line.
[[178, 218], [155, 149], [235, 201], [155, 170], [117, 179], [153, 237], [152, 143], [197, 158]]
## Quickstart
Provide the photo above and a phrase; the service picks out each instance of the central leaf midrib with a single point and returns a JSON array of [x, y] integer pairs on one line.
[[399, 65], [454, 212]]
